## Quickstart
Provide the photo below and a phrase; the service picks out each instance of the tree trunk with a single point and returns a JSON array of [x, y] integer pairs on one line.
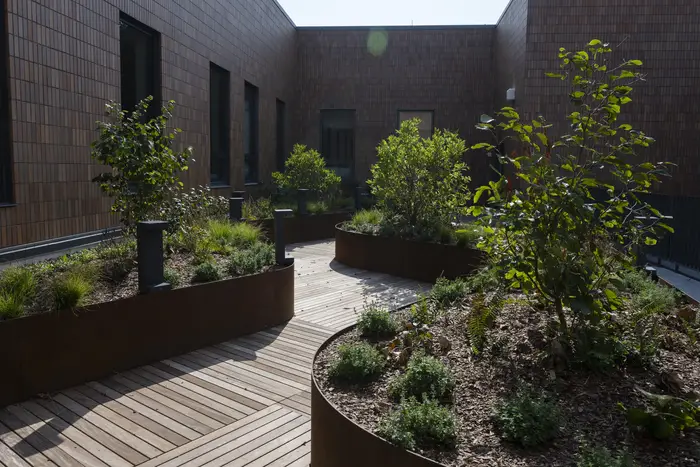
[[562, 319]]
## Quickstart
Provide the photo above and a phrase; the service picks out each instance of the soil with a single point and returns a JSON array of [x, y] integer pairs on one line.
[[517, 353], [107, 289]]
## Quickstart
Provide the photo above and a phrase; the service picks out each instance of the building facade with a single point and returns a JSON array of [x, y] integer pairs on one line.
[[248, 84]]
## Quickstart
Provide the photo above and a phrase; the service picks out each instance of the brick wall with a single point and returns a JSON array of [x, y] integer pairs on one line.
[[664, 35], [447, 70], [64, 65]]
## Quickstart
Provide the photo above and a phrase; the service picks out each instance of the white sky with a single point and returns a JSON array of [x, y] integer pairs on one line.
[[392, 12]]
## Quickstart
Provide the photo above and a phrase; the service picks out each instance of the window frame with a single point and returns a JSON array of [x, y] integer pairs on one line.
[[251, 93], [353, 162], [223, 157], [154, 70], [7, 192], [432, 118]]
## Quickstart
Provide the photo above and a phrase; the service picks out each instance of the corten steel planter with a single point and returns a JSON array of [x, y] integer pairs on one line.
[[337, 441], [52, 351], [421, 261], [300, 229]]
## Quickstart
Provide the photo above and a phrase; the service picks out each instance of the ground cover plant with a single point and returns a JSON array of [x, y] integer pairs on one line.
[[559, 351]]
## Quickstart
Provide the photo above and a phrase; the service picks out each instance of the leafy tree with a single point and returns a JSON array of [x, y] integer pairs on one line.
[[305, 168], [421, 183], [559, 236], [145, 168]]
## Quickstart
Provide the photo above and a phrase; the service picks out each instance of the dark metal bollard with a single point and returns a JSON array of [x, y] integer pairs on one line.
[[280, 214], [652, 273], [238, 194], [149, 244], [358, 198], [235, 209], [302, 198]]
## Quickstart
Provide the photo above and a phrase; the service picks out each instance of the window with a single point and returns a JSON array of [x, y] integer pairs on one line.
[[426, 120], [281, 122], [5, 144], [250, 133], [219, 118], [338, 141], [140, 63]]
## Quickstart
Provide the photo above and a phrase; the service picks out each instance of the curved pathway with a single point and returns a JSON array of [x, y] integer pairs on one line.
[[244, 402]]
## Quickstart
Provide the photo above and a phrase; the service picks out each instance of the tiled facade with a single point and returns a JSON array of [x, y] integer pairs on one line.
[[64, 64]]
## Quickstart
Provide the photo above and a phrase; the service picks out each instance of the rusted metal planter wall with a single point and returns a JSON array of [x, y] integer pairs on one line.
[[337, 441], [299, 229], [414, 260], [52, 351]]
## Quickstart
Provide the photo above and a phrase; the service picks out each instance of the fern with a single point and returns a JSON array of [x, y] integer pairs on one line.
[[481, 317]]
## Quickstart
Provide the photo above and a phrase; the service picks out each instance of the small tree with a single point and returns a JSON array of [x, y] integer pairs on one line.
[[423, 182], [557, 235], [305, 168], [145, 168]]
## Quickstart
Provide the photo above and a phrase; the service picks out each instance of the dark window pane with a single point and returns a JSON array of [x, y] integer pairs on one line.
[[219, 111], [140, 64], [425, 129], [5, 144], [338, 141], [250, 133]]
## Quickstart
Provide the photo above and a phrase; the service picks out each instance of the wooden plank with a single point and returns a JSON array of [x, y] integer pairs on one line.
[[202, 394], [160, 436], [36, 439], [246, 404], [269, 443], [24, 449], [294, 405], [215, 439], [136, 406], [9, 458], [106, 425], [287, 448], [54, 436], [250, 442], [126, 454], [267, 357], [303, 462], [294, 455], [225, 410], [265, 364], [178, 403]]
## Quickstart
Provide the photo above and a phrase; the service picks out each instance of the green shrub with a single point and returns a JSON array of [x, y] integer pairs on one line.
[[305, 168], [206, 272], [172, 277], [445, 292], [144, 169], [421, 184], [194, 207], [10, 306], [425, 377], [601, 457], [258, 209], [527, 419], [484, 280], [70, 290], [648, 297], [317, 207], [663, 416], [343, 203], [245, 235], [251, 260], [118, 258], [18, 282], [414, 425], [469, 236], [365, 221], [481, 316], [421, 313], [376, 322], [357, 363]]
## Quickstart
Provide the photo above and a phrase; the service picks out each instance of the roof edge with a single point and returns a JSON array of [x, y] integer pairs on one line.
[[394, 28]]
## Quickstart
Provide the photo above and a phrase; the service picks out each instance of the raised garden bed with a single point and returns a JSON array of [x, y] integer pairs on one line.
[[347, 417], [310, 228], [421, 261], [46, 352]]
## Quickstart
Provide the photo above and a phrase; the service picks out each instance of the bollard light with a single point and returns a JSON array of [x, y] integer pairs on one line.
[[149, 245], [280, 214]]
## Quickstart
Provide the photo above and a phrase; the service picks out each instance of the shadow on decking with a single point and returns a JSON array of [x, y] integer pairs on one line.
[[175, 400]]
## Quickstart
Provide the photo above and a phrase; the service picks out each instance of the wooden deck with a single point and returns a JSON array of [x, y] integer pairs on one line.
[[244, 402]]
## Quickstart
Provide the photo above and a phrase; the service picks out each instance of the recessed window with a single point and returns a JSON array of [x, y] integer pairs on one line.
[[140, 63], [426, 120], [5, 143], [250, 133], [281, 122], [219, 118], [338, 141]]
